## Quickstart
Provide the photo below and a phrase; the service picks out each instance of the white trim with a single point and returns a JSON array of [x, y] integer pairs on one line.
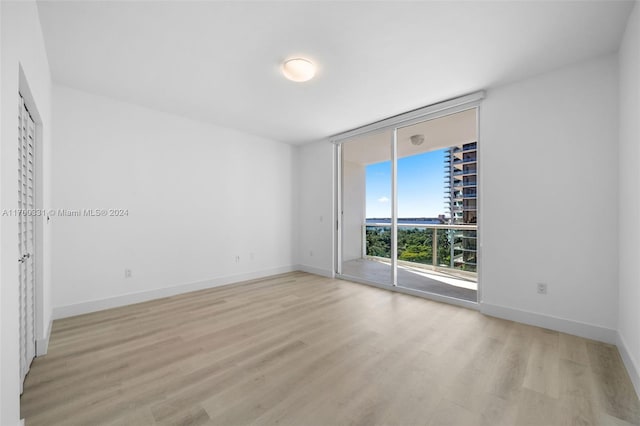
[[480, 207], [338, 171], [405, 119], [577, 328], [315, 271], [334, 211], [42, 345], [143, 296], [633, 367], [394, 207]]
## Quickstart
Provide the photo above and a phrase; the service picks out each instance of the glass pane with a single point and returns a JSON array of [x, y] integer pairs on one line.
[[366, 208], [437, 237]]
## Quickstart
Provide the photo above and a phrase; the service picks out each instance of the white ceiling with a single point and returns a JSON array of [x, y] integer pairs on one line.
[[219, 61]]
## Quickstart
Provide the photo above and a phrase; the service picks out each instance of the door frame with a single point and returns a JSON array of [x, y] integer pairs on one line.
[[41, 329], [431, 112]]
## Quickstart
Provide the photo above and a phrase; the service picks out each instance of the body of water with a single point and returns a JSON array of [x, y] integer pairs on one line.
[[409, 220]]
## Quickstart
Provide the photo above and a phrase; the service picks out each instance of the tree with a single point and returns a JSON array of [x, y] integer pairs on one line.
[[414, 244]]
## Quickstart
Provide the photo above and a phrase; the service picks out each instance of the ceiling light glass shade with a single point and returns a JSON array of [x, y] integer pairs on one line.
[[298, 69]]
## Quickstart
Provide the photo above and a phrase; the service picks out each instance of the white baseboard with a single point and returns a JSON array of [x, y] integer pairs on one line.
[[316, 271], [42, 345], [589, 331], [144, 296], [633, 368]]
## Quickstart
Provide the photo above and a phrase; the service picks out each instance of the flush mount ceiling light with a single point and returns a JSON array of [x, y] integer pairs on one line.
[[298, 69], [417, 139]]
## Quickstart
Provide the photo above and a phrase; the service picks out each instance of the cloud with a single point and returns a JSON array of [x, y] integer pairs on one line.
[[383, 200]]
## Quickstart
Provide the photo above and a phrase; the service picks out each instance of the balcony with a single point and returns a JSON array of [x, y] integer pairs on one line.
[[431, 258], [464, 184], [470, 146], [464, 160], [465, 172]]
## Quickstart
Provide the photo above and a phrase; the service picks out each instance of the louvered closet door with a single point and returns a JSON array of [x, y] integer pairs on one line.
[[26, 222]]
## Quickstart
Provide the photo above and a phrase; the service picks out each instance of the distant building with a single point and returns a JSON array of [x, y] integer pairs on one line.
[[461, 180]]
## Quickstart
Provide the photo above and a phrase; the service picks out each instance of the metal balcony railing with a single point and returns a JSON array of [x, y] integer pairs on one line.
[[436, 246], [464, 160], [465, 172]]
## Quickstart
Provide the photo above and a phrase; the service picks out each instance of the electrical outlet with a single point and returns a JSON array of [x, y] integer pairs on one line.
[[237, 259], [310, 253], [252, 256], [127, 273], [542, 288]]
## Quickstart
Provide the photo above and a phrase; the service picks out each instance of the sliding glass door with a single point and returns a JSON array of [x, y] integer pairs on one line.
[[409, 197], [366, 208]]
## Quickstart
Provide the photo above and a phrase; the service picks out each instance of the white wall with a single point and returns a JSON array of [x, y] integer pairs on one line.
[[22, 46], [316, 215], [197, 196], [629, 203], [549, 197]]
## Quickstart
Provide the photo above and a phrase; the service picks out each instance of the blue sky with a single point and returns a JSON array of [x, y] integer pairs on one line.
[[420, 186]]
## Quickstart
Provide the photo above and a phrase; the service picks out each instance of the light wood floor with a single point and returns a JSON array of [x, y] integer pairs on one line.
[[300, 349]]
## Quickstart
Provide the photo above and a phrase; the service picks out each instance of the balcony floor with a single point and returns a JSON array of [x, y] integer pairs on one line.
[[415, 278]]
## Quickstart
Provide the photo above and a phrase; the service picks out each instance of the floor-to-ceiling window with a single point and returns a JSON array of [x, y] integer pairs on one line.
[[409, 206], [366, 208]]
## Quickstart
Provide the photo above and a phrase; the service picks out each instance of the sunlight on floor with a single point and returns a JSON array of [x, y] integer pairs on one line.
[[442, 277]]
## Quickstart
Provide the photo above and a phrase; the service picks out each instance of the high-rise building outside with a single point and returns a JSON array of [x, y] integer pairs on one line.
[[461, 180]]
